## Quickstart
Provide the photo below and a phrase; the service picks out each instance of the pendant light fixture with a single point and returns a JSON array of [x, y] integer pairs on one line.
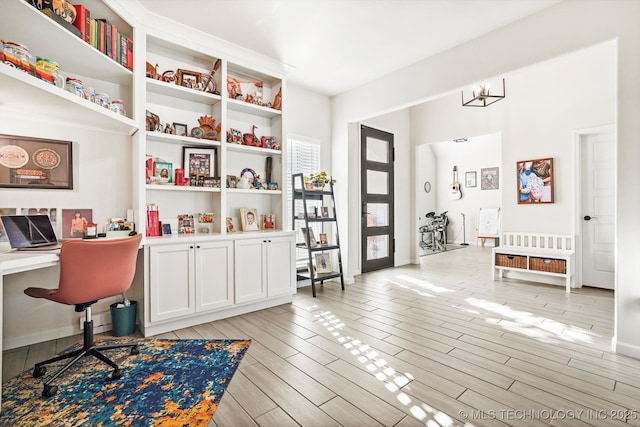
[[481, 96]]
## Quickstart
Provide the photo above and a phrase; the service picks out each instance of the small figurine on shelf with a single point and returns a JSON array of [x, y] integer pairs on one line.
[[251, 138], [206, 123], [168, 76], [277, 102], [152, 72]]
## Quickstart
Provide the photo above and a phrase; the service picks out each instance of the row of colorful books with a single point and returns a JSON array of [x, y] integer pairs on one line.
[[104, 36], [99, 33]]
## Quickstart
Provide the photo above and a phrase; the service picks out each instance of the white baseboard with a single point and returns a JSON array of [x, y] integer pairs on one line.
[[630, 350]]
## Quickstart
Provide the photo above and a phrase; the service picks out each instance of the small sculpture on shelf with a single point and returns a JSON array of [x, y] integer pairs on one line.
[[206, 124], [277, 101], [152, 72], [169, 76], [251, 138]]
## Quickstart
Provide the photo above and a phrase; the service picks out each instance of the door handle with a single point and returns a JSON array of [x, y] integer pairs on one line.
[[589, 218]]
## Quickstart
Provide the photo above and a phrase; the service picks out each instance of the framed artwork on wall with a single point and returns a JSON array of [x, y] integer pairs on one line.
[[490, 178], [470, 179], [535, 181], [35, 163]]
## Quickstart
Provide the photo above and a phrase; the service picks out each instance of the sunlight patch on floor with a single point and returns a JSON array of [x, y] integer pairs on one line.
[[392, 380], [423, 284], [524, 323]]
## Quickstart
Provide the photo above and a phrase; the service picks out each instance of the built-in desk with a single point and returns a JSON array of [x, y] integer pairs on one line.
[[16, 262]]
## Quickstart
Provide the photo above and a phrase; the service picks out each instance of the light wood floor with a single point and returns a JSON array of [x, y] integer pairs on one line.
[[436, 344]]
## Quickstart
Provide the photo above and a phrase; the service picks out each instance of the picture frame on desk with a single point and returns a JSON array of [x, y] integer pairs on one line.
[[35, 163], [74, 222]]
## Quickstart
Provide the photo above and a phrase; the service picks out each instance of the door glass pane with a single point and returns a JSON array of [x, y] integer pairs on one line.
[[377, 247], [377, 182], [377, 214], [377, 150]]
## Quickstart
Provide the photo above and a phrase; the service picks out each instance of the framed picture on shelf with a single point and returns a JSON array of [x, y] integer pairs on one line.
[[268, 222], [470, 179], [35, 163], [190, 79], [323, 263], [199, 163], [186, 224], [166, 229], [232, 181], [535, 181], [323, 239], [324, 211], [249, 219], [231, 228], [180, 129], [309, 238], [163, 171]]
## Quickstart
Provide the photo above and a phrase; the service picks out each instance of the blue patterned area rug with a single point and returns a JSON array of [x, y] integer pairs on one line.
[[170, 383]]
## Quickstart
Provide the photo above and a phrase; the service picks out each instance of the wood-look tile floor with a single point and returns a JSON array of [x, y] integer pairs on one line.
[[436, 344]]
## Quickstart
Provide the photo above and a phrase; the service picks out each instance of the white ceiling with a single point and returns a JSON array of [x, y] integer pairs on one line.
[[336, 45]]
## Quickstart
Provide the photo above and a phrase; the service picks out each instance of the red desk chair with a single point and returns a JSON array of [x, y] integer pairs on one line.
[[89, 271]]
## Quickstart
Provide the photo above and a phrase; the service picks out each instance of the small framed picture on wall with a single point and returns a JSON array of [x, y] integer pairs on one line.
[[470, 179]]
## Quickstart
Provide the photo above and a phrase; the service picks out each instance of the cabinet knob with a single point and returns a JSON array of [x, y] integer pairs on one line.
[[190, 247]]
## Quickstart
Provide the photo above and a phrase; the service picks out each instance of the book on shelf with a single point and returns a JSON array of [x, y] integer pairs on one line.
[[83, 16]]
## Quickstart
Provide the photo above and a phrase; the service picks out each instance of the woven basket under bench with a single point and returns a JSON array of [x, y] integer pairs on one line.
[[537, 253]]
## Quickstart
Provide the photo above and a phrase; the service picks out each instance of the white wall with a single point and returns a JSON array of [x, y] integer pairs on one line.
[[476, 153], [309, 114], [102, 182], [569, 26], [545, 104]]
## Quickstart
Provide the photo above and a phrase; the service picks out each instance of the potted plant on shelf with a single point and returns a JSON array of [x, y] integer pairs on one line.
[[316, 181]]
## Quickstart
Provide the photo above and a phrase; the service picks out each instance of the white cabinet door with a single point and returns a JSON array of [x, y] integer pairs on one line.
[[214, 275], [172, 281], [251, 283], [281, 279]]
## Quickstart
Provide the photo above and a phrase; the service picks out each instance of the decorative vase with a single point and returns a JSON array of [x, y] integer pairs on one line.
[[308, 186], [318, 186]]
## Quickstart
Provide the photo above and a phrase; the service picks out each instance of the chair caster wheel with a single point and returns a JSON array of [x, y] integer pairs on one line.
[[117, 374], [39, 371], [135, 350], [49, 390]]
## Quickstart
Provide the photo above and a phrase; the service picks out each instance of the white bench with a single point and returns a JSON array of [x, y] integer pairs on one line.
[[539, 253]]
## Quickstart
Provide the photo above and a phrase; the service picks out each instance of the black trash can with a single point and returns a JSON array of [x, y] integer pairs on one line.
[[123, 319]]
